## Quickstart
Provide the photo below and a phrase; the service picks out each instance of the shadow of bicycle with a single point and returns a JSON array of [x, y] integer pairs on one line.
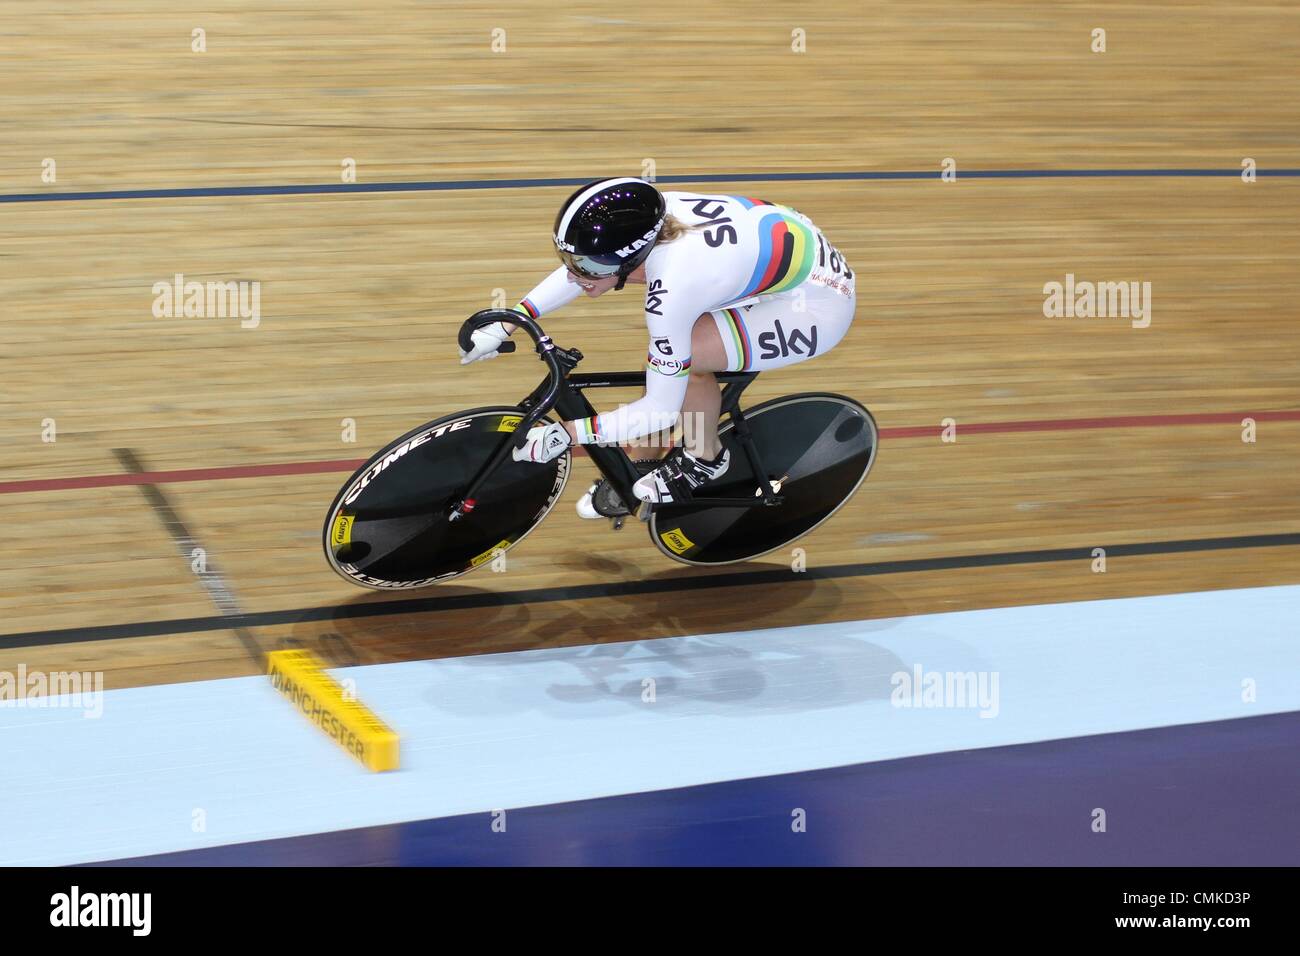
[[671, 639]]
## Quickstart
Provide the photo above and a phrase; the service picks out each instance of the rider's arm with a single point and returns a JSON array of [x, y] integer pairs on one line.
[[553, 292], [548, 295], [656, 411], [667, 373]]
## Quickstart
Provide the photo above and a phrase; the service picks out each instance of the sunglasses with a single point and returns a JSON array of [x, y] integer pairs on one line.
[[587, 267]]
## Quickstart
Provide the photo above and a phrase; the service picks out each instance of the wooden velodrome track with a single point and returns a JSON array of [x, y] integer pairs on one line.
[[1137, 436]]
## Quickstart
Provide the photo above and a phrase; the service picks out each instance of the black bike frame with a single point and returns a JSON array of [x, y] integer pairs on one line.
[[565, 393], [613, 462]]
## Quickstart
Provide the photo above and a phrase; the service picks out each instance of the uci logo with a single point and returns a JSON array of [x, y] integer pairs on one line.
[[665, 366], [777, 343]]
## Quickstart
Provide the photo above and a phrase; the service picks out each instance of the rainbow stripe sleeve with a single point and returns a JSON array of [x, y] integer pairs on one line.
[[588, 430], [786, 252], [739, 339]]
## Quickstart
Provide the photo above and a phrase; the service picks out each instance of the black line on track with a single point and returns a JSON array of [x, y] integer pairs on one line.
[[434, 603], [402, 186]]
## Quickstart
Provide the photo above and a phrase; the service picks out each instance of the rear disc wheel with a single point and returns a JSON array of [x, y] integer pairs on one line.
[[817, 447]]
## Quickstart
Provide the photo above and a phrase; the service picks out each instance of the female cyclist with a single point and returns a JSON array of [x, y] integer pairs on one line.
[[730, 283]]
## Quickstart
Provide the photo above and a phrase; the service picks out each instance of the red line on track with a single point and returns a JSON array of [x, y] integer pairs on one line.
[[186, 474], [914, 431]]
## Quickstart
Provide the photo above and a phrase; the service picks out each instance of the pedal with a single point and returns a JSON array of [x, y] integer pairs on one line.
[[606, 501], [617, 523]]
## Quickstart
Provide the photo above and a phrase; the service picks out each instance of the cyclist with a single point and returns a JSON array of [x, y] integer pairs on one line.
[[731, 283]]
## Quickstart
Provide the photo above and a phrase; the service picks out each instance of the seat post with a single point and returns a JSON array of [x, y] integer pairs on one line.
[[731, 391], [731, 405]]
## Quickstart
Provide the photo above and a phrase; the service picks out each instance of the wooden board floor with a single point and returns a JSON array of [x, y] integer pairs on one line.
[[362, 294]]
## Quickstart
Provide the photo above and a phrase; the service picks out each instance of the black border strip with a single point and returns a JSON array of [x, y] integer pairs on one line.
[[688, 581]]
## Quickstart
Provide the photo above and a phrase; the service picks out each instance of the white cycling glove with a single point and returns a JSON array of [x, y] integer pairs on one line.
[[487, 341], [545, 442]]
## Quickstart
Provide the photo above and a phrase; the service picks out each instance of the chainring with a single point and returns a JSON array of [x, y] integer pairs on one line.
[[606, 501]]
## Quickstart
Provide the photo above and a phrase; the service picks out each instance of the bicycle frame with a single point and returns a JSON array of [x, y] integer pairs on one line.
[[615, 463], [566, 394]]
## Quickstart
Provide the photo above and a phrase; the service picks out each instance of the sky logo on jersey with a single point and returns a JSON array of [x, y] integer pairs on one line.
[[778, 344], [786, 251], [654, 297]]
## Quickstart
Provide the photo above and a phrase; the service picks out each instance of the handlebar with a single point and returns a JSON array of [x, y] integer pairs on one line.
[[545, 349], [548, 352], [486, 317]]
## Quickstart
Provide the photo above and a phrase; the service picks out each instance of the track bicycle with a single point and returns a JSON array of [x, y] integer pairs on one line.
[[447, 497]]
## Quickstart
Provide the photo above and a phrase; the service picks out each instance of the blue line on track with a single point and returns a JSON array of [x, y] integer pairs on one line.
[[299, 189]]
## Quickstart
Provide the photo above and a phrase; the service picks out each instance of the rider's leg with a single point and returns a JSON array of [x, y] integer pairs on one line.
[[700, 410], [702, 458], [703, 403], [784, 330]]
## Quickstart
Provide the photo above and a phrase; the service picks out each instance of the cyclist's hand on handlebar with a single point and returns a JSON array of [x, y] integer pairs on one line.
[[487, 343], [545, 442]]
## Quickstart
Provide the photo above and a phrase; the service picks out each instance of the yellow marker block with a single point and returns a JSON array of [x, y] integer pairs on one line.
[[300, 677]]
